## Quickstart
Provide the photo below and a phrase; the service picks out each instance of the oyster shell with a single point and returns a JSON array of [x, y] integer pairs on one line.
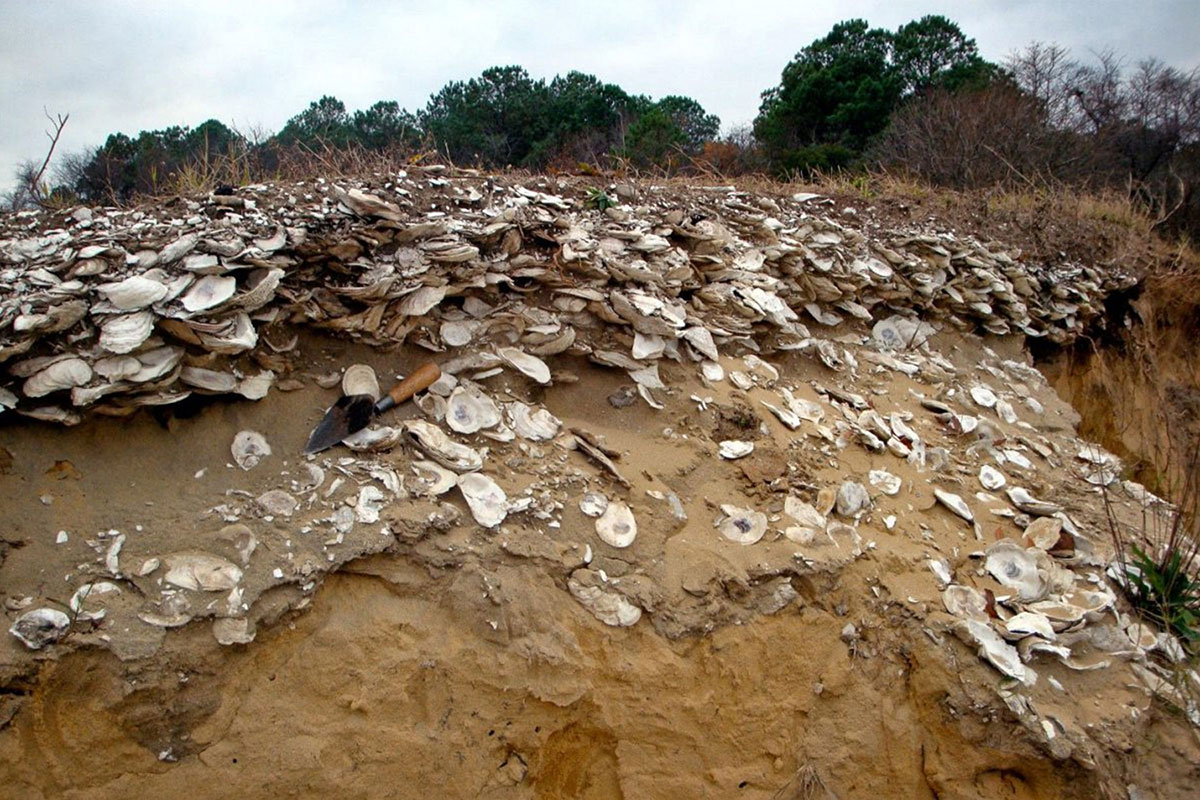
[[374, 439], [126, 332], [485, 498], [995, 650], [608, 607], [248, 448], [732, 449], [133, 293], [1026, 502], [537, 425], [955, 504], [209, 292], [991, 478], [469, 410], [65, 374], [885, 481], [433, 442], [1029, 623], [40, 627], [617, 526], [741, 525], [965, 602], [531, 366], [593, 504], [1015, 568], [200, 571], [852, 499], [430, 479], [360, 379]]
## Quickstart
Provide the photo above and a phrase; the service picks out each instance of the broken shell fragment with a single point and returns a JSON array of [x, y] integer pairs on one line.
[[433, 442], [617, 526], [229, 631], [199, 571], [732, 449], [742, 525], [430, 479], [593, 504], [965, 602], [248, 448], [40, 627], [536, 425], [997, 652], [955, 504], [608, 607], [485, 498]]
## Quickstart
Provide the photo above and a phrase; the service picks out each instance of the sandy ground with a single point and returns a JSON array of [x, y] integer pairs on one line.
[[426, 656]]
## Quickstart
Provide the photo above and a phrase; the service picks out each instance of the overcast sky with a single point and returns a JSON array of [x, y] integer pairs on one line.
[[132, 65]]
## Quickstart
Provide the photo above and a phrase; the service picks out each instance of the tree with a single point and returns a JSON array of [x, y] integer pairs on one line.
[[655, 139], [494, 119], [385, 125], [689, 116], [325, 121], [837, 91], [933, 51]]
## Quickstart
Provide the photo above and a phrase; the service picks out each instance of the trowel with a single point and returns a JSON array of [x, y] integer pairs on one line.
[[352, 412]]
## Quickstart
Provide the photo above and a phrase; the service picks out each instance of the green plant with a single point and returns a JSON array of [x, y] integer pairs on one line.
[[599, 200], [1165, 592]]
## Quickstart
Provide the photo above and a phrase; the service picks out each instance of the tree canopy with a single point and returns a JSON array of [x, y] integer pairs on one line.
[[839, 92]]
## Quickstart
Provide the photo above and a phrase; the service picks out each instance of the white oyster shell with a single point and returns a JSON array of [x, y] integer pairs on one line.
[[955, 504], [608, 607], [485, 498], [885, 481], [40, 627], [852, 498], [65, 374], [731, 449], [209, 292], [1016, 568], [126, 332], [593, 504], [248, 448], [469, 410], [1023, 500], [617, 526], [199, 571], [361, 379], [991, 478], [430, 479], [965, 602], [433, 442], [374, 439], [536, 425], [531, 366], [133, 293], [742, 525], [997, 652]]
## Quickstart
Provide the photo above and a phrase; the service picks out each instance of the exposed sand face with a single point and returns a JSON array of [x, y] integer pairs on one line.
[[454, 660]]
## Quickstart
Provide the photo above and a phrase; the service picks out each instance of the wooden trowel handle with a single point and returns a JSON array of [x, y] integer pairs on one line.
[[420, 379]]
